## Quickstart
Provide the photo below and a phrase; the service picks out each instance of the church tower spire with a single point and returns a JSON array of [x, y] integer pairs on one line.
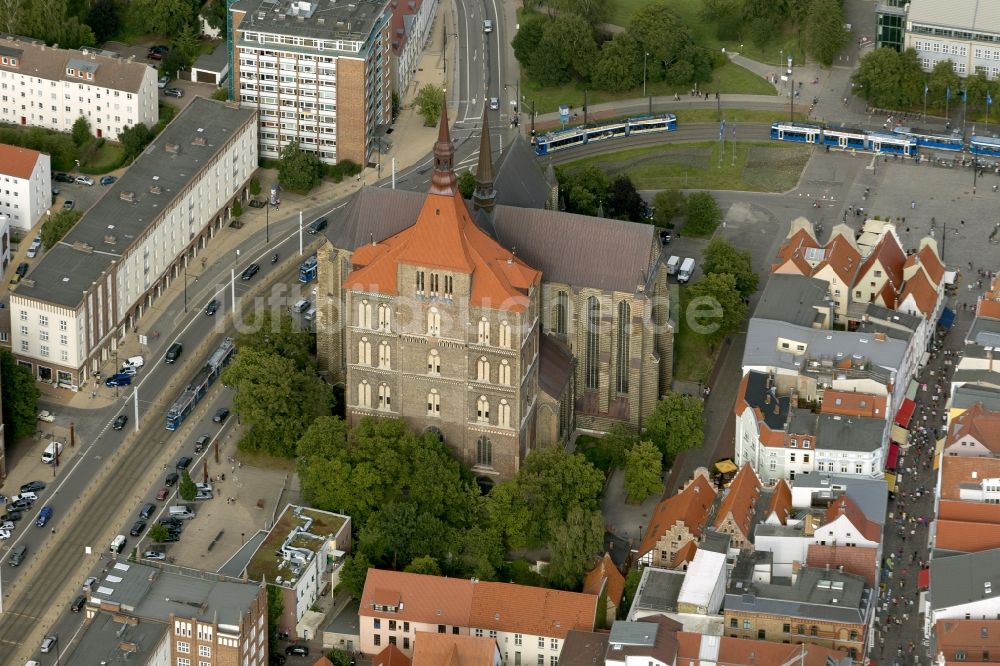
[[443, 180], [485, 196]]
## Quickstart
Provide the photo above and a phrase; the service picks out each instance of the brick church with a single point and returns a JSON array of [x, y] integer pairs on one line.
[[500, 326]]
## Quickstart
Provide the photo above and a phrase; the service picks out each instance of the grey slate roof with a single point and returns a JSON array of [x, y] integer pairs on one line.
[[966, 396], [869, 494], [583, 648], [793, 298], [983, 330], [805, 598], [520, 180], [555, 366], [802, 422], [103, 641], [961, 579], [717, 542], [849, 433], [341, 20], [64, 272], [981, 377], [756, 396], [51, 64], [216, 61], [762, 351]]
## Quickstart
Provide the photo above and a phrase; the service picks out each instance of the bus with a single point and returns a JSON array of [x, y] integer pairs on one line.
[[198, 387], [308, 269]]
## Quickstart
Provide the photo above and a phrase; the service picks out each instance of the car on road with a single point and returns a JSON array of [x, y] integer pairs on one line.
[[120, 379], [109, 180], [137, 528], [494, 104], [249, 271], [147, 510], [665, 237], [44, 516], [32, 487], [318, 226], [78, 603], [184, 462], [173, 92], [221, 414], [62, 177], [201, 443], [212, 307], [84, 180], [48, 643], [120, 422], [69, 204], [154, 555], [297, 650], [22, 269], [162, 494], [171, 479], [162, 82], [488, 26]]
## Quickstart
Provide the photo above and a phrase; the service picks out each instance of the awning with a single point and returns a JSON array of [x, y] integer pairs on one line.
[[905, 413], [726, 467], [911, 390], [899, 435], [890, 480], [893, 457], [924, 579], [938, 448], [947, 319], [950, 277]]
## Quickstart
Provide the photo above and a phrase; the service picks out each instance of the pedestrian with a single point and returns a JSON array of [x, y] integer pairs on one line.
[[913, 204]]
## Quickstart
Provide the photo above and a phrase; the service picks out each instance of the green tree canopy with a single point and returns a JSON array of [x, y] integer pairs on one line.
[[158, 533], [353, 573], [164, 17], [573, 544], [429, 103], [619, 66], [57, 225], [424, 565], [20, 398], [676, 425], [643, 468], [134, 140], [187, 490], [624, 202], [104, 18], [716, 308], [299, 170], [568, 42], [594, 12], [276, 333], [703, 214], [824, 30], [943, 81], [669, 204], [890, 79], [81, 132], [721, 256], [585, 188], [660, 32], [466, 184], [276, 399]]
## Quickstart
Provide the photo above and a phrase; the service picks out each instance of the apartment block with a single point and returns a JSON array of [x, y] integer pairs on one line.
[[317, 73], [412, 21], [44, 86], [76, 305], [25, 187], [964, 32]]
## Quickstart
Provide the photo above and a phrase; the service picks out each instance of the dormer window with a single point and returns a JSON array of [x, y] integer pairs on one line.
[[386, 609], [70, 71], [793, 443]]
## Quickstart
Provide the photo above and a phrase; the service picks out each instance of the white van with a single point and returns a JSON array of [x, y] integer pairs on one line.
[[686, 270], [118, 544], [51, 451], [182, 512], [301, 305], [310, 314], [134, 362], [672, 264]]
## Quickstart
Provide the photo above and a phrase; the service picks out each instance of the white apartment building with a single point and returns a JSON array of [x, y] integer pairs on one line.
[[967, 32], [25, 187], [4, 245], [42, 86], [317, 74], [72, 310], [411, 29]]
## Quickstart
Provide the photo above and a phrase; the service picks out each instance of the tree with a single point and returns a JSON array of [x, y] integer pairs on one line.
[[424, 565], [660, 32], [624, 202], [824, 30], [353, 573], [186, 44], [56, 226], [254, 186], [676, 425], [50, 21], [668, 204], [585, 188], [593, 12], [568, 42], [942, 82], [890, 79], [619, 67], [187, 490], [339, 658], [528, 38], [643, 467], [608, 452], [237, 209], [20, 398], [703, 214], [721, 256], [158, 533], [215, 12], [134, 140], [276, 400], [164, 17], [298, 170], [573, 544], [81, 132], [396, 104], [275, 332], [429, 102], [275, 609], [716, 307], [104, 19], [466, 184]]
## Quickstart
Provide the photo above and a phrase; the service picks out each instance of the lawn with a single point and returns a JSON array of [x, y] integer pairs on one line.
[[759, 167], [707, 115], [693, 356], [780, 46], [730, 79], [108, 157]]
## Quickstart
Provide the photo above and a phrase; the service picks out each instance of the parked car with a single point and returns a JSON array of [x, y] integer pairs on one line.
[[221, 414], [55, 191], [61, 177], [19, 505], [276, 660], [249, 271], [5, 534], [127, 370], [147, 510], [84, 180], [22, 269], [171, 479], [78, 604], [201, 443], [162, 82], [318, 226], [173, 92], [212, 307], [109, 180], [154, 555], [257, 203], [32, 487], [297, 650], [137, 528], [120, 379], [48, 417], [665, 237], [494, 104], [203, 495], [69, 204], [120, 422], [89, 583], [162, 494], [12, 516], [33, 250], [184, 462], [48, 643]]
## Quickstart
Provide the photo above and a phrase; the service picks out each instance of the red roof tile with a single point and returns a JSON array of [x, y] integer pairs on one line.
[[923, 293], [781, 502], [740, 500], [977, 422], [605, 570], [531, 610], [966, 537], [845, 506], [792, 251], [973, 637], [16, 161], [887, 253], [751, 652], [390, 656], [858, 561], [848, 403], [843, 258], [690, 506], [956, 470], [927, 259], [432, 649], [684, 555]]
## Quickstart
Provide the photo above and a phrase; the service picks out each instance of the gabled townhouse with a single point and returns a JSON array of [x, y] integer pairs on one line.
[[25, 186], [606, 582], [779, 507], [410, 29], [975, 432], [841, 259], [880, 277], [923, 282], [800, 252], [966, 516], [963, 586], [959, 642], [735, 514], [529, 624], [977, 375], [389, 656], [677, 524], [847, 525], [430, 649]]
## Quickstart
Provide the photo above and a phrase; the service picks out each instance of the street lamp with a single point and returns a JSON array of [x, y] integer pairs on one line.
[[644, 56], [791, 97], [185, 285]]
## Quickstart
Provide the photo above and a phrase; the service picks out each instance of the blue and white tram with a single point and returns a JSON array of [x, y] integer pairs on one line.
[[558, 140], [602, 132], [929, 139], [196, 390], [985, 145], [846, 139], [884, 142], [642, 124], [800, 132]]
